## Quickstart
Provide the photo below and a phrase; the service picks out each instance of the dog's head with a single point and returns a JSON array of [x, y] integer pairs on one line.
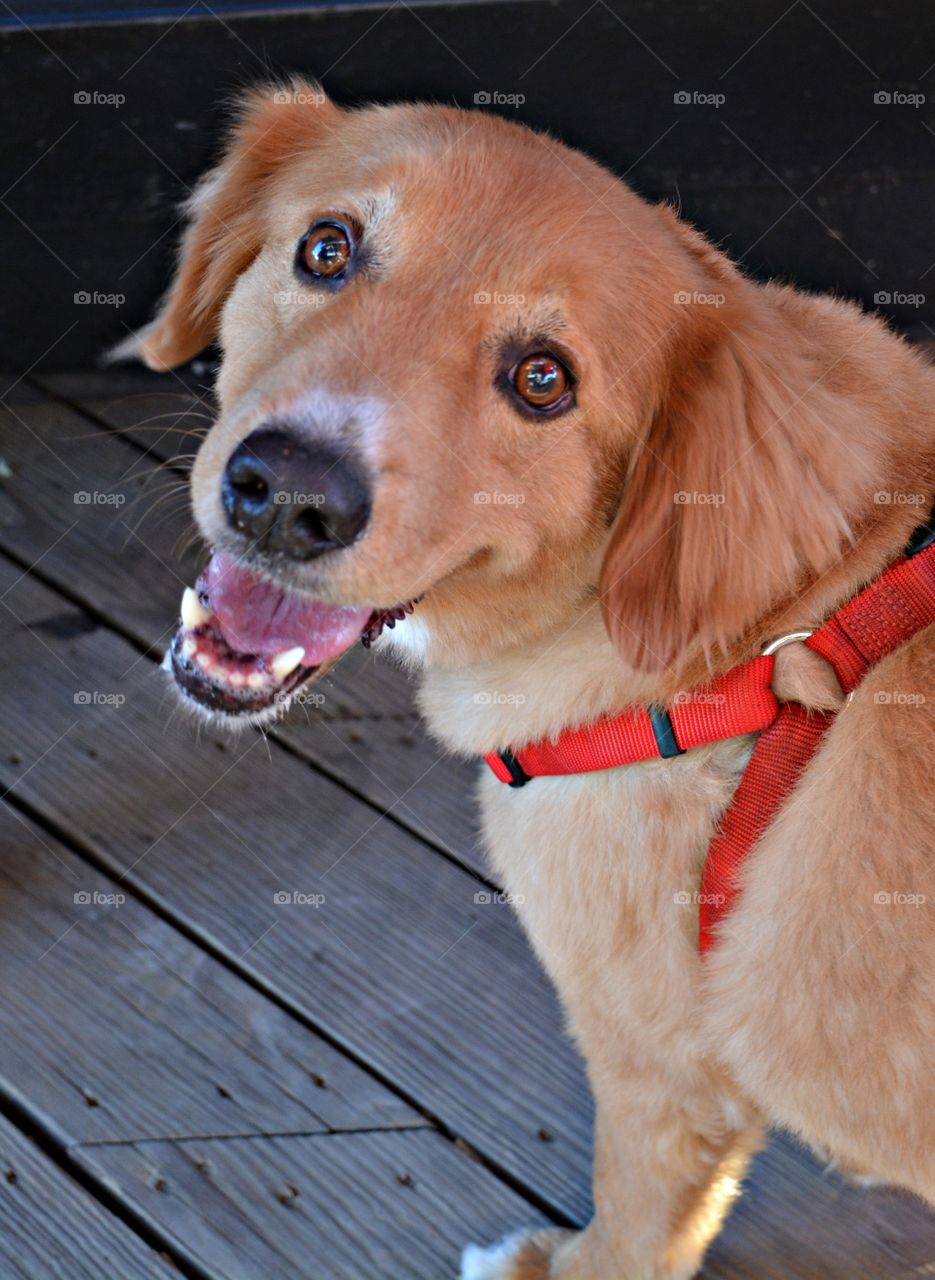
[[466, 368]]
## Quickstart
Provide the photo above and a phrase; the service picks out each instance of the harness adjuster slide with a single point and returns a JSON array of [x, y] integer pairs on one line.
[[664, 733], [518, 775]]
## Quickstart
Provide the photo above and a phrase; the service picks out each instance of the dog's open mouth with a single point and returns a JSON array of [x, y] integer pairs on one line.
[[246, 644]]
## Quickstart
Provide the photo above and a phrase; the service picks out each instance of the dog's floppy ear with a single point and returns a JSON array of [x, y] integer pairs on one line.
[[272, 124], [735, 495]]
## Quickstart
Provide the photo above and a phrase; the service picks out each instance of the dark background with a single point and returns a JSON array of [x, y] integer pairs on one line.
[[801, 172]]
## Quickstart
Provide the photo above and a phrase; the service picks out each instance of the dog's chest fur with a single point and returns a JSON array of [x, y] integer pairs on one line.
[[603, 868]]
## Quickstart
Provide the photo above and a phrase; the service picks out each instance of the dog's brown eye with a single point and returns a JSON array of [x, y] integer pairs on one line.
[[541, 380], [325, 251]]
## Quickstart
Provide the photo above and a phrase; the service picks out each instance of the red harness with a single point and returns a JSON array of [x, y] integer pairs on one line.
[[883, 616]]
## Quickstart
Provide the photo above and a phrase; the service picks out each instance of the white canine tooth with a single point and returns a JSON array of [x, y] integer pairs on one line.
[[256, 680], [194, 614], [189, 647], [286, 662]]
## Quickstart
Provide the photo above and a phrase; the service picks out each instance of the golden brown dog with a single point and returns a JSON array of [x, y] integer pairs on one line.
[[488, 379]]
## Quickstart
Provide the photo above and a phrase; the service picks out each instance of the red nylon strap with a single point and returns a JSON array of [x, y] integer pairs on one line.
[[739, 702], [782, 751], [882, 617]]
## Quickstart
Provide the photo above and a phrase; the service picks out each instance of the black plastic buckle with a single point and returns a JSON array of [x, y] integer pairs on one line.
[[513, 767], [664, 733]]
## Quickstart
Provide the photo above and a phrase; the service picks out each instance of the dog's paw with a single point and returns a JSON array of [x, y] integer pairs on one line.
[[525, 1256]]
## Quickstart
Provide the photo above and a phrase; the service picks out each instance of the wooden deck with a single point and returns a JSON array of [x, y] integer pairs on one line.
[[196, 1079]]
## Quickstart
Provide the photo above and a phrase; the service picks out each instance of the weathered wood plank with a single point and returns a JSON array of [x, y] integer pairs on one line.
[[379, 1206], [127, 567], [114, 1026], [797, 1221], [52, 1229], [437, 992]]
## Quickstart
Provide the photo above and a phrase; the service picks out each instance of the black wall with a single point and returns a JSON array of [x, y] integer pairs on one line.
[[803, 170]]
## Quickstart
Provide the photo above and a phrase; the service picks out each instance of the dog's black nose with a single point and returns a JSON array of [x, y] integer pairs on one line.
[[300, 498]]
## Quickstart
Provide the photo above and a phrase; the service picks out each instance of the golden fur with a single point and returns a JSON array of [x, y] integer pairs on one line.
[[736, 466]]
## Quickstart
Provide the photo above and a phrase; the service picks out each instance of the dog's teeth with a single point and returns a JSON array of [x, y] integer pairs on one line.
[[194, 614], [286, 662]]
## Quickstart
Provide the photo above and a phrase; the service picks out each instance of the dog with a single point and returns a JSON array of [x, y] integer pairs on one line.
[[487, 408]]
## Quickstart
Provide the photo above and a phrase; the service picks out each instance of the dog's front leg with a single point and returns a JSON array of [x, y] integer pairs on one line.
[[608, 918], [667, 1165]]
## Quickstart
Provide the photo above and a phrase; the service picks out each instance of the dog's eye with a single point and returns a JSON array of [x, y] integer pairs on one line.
[[325, 251], [541, 381]]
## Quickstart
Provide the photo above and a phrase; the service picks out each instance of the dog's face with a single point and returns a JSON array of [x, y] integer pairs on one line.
[[445, 340]]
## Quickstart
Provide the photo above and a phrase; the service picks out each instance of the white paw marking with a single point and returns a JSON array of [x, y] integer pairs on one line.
[[486, 1264]]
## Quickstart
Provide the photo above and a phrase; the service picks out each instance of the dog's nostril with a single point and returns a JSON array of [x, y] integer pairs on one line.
[[309, 530], [251, 487]]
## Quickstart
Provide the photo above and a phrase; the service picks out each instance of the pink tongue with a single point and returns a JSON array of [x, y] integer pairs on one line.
[[257, 616]]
